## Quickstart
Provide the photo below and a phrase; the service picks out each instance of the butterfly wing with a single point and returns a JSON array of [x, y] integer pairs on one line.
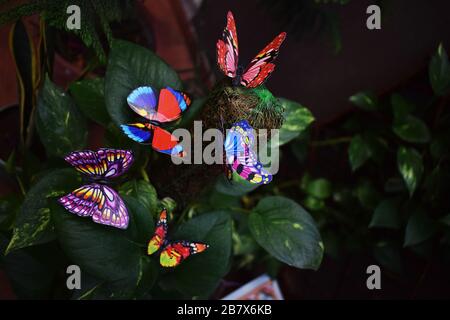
[[163, 141], [139, 132], [160, 139], [240, 156], [100, 202], [176, 252], [170, 105], [85, 161], [142, 100], [251, 169], [261, 66], [160, 234], [114, 161], [228, 49], [105, 163]]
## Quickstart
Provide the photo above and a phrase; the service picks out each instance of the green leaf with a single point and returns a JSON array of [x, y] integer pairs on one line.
[[10, 164], [110, 254], [366, 100], [22, 47], [9, 207], [297, 119], [287, 231], [359, 152], [439, 72], [31, 271], [424, 249], [168, 203], [411, 129], [319, 188], [313, 204], [33, 223], [367, 194], [420, 227], [60, 125], [388, 255], [410, 166], [386, 215], [131, 66], [209, 267], [143, 191], [400, 106], [89, 94], [237, 187]]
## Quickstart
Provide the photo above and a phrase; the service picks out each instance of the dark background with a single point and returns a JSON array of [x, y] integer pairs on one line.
[[312, 72]]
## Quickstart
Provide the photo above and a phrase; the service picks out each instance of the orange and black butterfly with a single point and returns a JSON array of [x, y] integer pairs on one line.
[[172, 252]]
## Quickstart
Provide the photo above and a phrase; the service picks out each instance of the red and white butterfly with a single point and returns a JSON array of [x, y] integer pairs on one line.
[[259, 68]]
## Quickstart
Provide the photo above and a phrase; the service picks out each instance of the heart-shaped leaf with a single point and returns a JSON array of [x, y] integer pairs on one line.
[[109, 254], [386, 215], [411, 129], [420, 227], [439, 72], [60, 125], [359, 152], [89, 94], [131, 66], [287, 231], [296, 119], [366, 100], [410, 165], [33, 223], [143, 191]]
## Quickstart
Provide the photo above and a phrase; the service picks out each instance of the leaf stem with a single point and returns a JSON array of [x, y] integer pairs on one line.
[[240, 210], [20, 183], [143, 172]]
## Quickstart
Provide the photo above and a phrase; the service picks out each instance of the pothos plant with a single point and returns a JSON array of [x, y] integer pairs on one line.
[[241, 223], [389, 197]]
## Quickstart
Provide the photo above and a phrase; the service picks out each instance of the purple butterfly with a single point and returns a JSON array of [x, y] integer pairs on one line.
[[240, 157], [97, 200]]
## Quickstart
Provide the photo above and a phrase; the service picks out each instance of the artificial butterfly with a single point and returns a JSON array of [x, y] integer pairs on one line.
[[259, 68], [96, 199], [174, 252], [170, 105], [240, 157]]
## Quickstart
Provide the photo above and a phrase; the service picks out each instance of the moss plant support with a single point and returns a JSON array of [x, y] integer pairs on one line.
[[224, 106]]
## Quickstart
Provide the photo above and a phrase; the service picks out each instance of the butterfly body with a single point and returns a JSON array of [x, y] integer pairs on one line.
[[96, 199], [171, 253], [236, 81], [169, 106], [259, 68]]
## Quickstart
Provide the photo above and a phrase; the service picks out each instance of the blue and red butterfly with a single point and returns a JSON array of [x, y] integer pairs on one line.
[[96, 199], [172, 253], [167, 108], [259, 68]]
